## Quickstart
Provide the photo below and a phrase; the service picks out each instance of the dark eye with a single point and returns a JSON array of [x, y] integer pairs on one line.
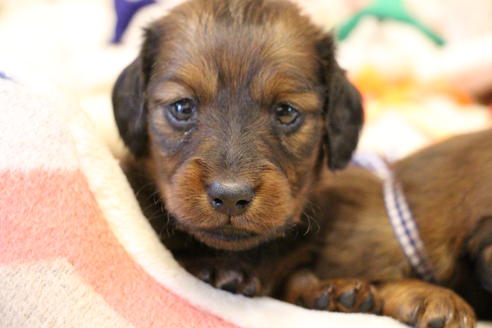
[[182, 110], [286, 114]]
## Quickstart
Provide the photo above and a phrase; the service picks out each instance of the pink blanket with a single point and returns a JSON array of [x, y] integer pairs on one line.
[[75, 250]]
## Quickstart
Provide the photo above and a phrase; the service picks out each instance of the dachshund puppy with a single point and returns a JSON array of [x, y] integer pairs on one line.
[[235, 114], [230, 113]]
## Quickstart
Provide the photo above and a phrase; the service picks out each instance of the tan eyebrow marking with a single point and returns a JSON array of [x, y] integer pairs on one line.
[[308, 101], [168, 92]]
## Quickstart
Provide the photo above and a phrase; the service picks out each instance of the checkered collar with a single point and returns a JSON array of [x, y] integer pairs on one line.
[[399, 213]]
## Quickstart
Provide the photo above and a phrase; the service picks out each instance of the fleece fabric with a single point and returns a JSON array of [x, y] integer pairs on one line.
[[76, 251]]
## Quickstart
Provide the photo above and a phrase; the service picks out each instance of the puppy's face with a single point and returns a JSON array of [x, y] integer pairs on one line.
[[230, 106]]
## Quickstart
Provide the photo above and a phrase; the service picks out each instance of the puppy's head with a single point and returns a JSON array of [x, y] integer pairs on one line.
[[231, 107]]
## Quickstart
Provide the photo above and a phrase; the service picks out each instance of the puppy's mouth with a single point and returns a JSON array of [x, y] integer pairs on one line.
[[235, 239], [228, 238], [228, 233]]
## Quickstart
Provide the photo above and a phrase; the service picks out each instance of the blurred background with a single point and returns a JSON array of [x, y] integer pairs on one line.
[[424, 66]]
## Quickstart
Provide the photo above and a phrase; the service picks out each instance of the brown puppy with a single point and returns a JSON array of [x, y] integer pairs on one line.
[[230, 112]]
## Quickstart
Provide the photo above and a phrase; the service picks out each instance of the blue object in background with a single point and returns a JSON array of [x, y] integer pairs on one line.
[[4, 76], [125, 10]]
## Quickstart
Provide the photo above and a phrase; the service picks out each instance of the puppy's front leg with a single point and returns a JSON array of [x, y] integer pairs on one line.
[[424, 305], [343, 295]]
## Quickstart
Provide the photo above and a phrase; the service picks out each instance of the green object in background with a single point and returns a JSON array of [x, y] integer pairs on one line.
[[388, 9]]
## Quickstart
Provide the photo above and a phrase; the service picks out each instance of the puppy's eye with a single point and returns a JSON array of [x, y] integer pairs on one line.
[[286, 114], [182, 110]]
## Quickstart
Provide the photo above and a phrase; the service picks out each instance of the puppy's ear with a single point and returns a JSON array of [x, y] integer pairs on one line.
[[129, 108], [129, 96], [343, 109]]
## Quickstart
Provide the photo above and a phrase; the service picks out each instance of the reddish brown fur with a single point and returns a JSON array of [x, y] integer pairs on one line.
[[276, 67], [238, 59]]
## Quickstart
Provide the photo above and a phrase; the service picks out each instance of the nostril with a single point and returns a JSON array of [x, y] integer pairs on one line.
[[242, 203], [217, 202]]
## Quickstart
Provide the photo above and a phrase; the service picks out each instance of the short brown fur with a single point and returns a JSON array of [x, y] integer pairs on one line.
[[309, 236]]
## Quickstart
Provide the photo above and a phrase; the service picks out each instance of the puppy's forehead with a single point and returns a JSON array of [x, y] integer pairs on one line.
[[259, 44]]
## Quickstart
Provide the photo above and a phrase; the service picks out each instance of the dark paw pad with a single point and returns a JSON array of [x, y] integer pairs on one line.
[[322, 302], [437, 323], [347, 299], [367, 304]]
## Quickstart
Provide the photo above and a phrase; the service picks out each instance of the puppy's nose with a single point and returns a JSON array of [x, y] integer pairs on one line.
[[230, 198]]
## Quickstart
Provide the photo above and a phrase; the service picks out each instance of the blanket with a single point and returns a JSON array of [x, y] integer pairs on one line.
[[76, 251]]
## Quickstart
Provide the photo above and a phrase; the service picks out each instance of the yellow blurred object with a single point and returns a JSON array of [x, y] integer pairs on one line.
[[386, 90], [375, 85]]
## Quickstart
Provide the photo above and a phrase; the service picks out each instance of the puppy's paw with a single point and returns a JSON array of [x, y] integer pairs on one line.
[[425, 306], [342, 295], [234, 278]]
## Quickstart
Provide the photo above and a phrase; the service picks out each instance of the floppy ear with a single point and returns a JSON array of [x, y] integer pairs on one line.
[[129, 96], [344, 119], [129, 108], [343, 109]]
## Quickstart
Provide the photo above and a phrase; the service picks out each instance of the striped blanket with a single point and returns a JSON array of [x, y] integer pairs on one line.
[[75, 250]]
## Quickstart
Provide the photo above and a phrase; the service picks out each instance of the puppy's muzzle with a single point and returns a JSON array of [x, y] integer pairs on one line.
[[230, 198]]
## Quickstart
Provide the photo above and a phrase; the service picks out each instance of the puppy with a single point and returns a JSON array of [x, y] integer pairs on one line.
[[230, 113], [234, 113]]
